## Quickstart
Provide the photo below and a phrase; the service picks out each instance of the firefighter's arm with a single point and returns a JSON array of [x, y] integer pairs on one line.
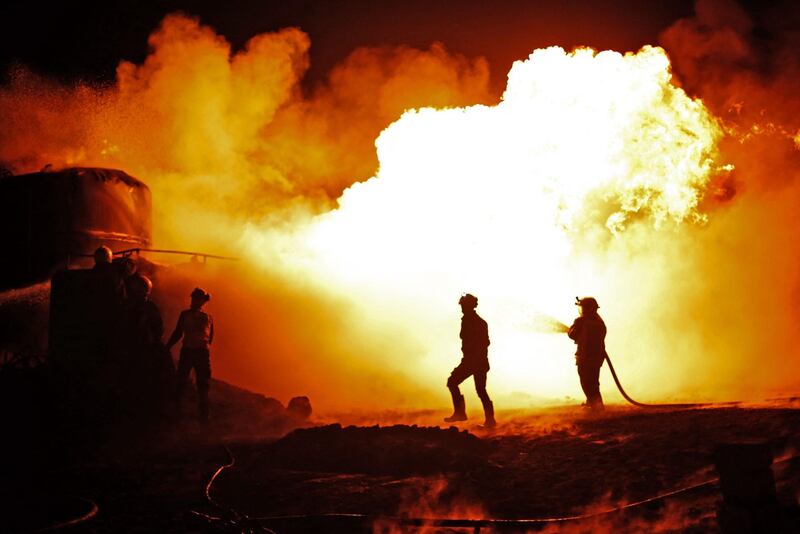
[[574, 330], [177, 334], [211, 331]]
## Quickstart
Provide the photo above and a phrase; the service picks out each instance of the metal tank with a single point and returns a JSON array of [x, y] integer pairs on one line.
[[50, 219]]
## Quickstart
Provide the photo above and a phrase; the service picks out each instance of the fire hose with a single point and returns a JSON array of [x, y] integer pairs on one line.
[[86, 516], [253, 525], [548, 324], [641, 404]]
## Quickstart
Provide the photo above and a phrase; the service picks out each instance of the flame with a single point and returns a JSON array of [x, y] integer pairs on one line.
[[224, 137], [595, 174], [430, 498], [521, 203]]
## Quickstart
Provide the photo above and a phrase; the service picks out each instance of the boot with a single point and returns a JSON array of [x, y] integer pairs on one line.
[[597, 404], [488, 410], [459, 410]]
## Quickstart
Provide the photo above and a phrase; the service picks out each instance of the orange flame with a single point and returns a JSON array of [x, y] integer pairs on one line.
[[588, 157], [595, 174]]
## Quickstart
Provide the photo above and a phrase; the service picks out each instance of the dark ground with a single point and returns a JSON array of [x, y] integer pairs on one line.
[[549, 463]]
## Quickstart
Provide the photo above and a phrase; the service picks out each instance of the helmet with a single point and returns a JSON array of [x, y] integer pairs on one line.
[[587, 303], [140, 285], [200, 294], [103, 254], [471, 301]]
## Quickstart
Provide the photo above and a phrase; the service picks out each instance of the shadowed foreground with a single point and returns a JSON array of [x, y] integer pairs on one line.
[[551, 463]]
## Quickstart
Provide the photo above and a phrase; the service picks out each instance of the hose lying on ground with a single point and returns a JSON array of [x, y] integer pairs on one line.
[[252, 524], [241, 522], [641, 404], [549, 325], [93, 509]]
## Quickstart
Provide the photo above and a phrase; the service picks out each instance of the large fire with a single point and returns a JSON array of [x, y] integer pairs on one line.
[[594, 174], [525, 204]]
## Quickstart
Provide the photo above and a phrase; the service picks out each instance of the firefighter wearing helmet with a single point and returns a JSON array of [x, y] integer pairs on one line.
[[589, 334], [144, 316], [103, 255], [149, 363], [474, 362], [196, 327]]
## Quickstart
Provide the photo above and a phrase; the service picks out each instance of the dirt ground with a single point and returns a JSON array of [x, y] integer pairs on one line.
[[550, 463]]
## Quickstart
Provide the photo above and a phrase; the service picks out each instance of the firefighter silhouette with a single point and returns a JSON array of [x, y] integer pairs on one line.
[[196, 327], [474, 362], [589, 333], [150, 363], [106, 297]]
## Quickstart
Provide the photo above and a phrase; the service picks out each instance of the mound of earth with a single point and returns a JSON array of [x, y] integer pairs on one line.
[[399, 450], [240, 412]]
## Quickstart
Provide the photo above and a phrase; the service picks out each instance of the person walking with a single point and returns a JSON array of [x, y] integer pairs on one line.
[[474, 362]]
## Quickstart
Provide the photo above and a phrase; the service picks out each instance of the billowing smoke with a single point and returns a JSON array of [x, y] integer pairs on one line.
[[747, 71], [225, 138], [669, 198]]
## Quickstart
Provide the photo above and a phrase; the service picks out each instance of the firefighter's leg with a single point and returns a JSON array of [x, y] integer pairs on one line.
[[182, 373], [585, 377], [488, 406], [590, 383], [597, 398], [202, 370], [458, 375]]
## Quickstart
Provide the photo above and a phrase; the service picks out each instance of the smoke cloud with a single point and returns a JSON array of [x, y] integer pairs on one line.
[[225, 138], [745, 273]]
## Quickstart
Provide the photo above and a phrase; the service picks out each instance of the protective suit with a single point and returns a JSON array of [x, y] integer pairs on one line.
[[589, 333], [196, 327], [474, 362]]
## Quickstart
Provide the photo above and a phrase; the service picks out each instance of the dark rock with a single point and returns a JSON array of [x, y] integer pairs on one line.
[[299, 407]]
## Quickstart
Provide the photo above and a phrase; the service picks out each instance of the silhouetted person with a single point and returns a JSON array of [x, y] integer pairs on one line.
[[102, 256], [589, 333], [474, 362], [107, 280], [197, 330], [103, 281], [143, 329], [143, 323], [106, 297], [127, 269]]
